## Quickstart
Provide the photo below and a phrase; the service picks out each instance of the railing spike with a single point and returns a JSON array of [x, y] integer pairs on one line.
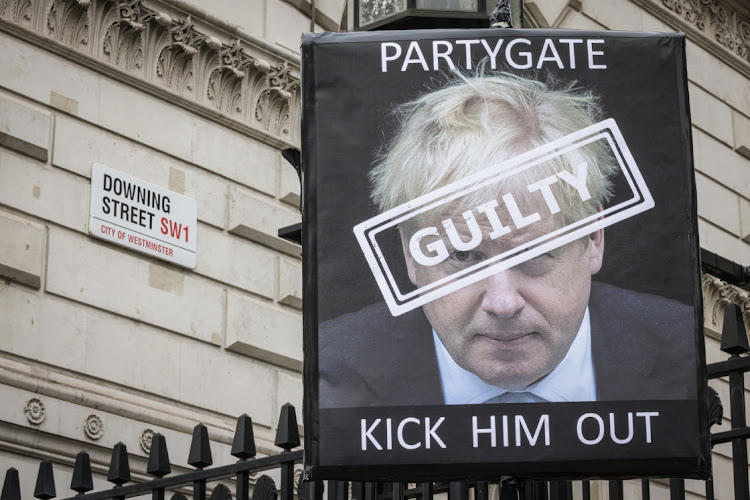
[[119, 468], [677, 489], [586, 490], [509, 491], [302, 492], [200, 448], [82, 481], [733, 334], [243, 445], [482, 490], [11, 486], [339, 490], [45, 481], [426, 489], [287, 434], [158, 457], [616, 490], [311, 490], [458, 491]]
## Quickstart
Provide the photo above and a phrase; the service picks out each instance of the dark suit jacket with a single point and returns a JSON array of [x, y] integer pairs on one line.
[[643, 347]]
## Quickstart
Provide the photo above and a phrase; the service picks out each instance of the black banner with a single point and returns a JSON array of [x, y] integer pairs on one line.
[[508, 437], [500, 257]]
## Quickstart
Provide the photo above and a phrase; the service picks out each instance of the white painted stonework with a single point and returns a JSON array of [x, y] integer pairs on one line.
[[199, 98]]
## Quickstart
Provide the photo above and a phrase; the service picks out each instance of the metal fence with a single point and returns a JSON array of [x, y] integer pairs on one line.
[[734, 342], [243, 448]]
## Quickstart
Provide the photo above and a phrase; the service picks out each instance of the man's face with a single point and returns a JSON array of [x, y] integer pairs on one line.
[[514, 327]]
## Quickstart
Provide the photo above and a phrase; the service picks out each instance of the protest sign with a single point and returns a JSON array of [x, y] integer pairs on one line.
[[501, 257]]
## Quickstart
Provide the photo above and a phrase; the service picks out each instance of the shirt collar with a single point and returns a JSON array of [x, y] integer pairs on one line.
[[571, 380]]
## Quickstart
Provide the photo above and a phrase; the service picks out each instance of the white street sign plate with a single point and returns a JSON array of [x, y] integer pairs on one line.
[[143, 216]]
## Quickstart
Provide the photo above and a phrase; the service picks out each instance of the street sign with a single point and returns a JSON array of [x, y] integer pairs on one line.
[[142, 216]]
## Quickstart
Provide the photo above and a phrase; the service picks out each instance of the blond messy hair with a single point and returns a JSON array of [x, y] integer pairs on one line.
[[477, 122]]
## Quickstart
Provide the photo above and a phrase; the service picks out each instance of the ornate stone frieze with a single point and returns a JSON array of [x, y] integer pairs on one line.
[[717, 20], [179, 53], [68, 22], [130, 13], [35, 411], [145, 440], [716, 295], [20, 11], [93, 427]]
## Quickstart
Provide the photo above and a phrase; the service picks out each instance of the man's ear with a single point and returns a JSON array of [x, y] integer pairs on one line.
[[408, 258], [596, 251]]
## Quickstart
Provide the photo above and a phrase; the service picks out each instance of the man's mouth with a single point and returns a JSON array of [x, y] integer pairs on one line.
[[506, 336]]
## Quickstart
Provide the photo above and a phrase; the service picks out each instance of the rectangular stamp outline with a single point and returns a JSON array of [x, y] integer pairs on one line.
[[400, 303]]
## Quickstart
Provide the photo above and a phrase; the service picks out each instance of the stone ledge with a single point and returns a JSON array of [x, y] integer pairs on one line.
[[289, 186], [290, 283], [716, 239], [259, 220], [263, 332], [164, 414], [745, 220], [46, 192], [710, 114], [24, 128], [718, 204], [22, 245], [157, 363], [236, 262], [741, 125], [721, 163]]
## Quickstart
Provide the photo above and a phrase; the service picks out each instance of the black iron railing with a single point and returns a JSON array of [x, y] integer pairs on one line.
[[734, 342], [243, 448]]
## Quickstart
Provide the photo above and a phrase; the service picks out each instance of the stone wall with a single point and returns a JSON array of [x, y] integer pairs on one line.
[[99, 344]]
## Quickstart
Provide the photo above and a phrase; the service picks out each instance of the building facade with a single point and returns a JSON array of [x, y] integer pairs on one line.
[[100, 343]]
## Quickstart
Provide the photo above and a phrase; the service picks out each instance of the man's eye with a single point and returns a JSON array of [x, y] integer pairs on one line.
[[467, 257], [539, 265]]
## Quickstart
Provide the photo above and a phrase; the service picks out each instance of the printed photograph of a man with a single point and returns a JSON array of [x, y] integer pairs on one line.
[[539, 331]]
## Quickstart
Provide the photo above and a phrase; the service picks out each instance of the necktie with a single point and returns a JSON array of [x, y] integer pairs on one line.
[[516, 397]]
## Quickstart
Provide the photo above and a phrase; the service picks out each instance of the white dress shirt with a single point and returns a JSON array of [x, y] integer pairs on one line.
[[571, 380]]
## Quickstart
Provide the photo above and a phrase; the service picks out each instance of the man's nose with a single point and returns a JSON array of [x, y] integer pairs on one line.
[[502, 295]]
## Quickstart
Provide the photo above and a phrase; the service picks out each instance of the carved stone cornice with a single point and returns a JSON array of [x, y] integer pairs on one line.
[[717, 26], [716, 295], [237, 80], [718, 21], [160, 412]]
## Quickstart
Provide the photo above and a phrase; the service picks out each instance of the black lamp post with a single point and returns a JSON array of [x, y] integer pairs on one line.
[[365, 15]]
